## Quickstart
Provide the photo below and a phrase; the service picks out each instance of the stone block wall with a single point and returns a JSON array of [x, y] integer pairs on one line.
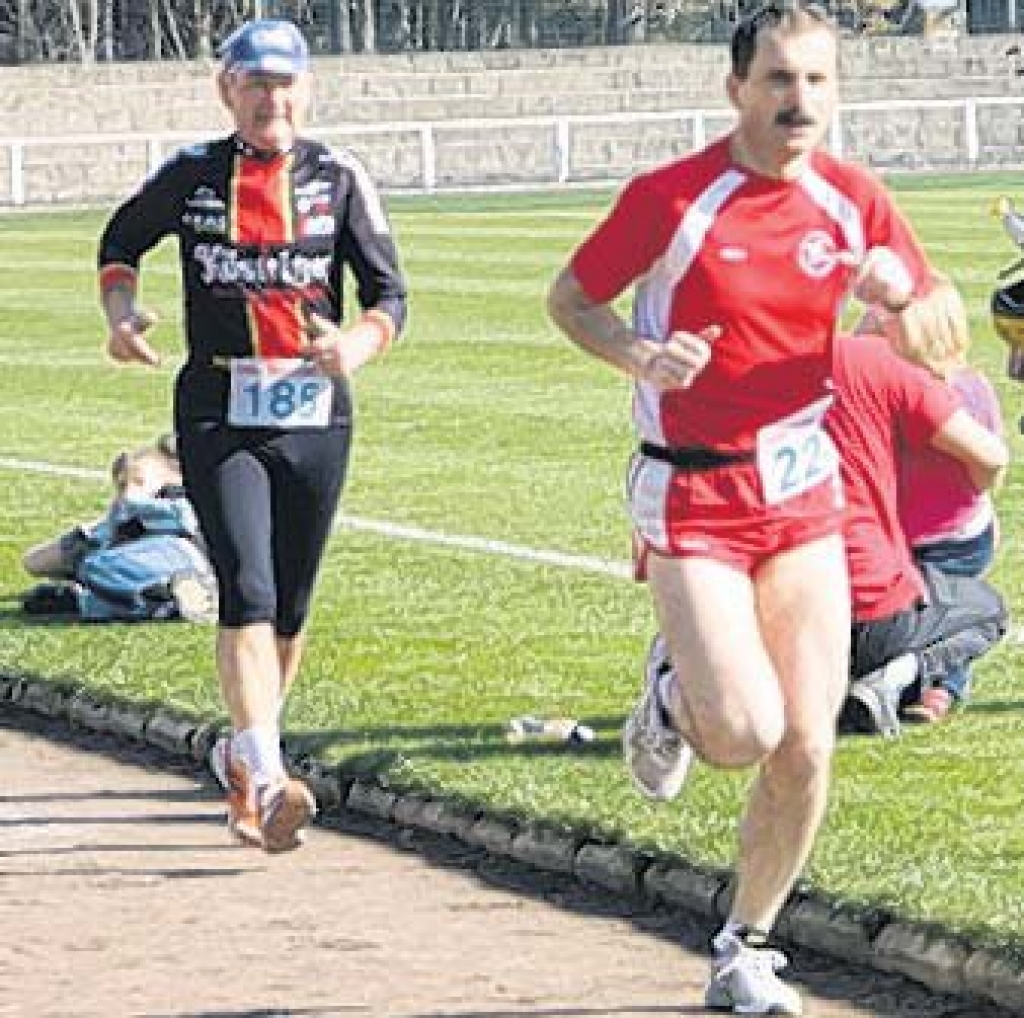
[[64, 99], [73, 106]]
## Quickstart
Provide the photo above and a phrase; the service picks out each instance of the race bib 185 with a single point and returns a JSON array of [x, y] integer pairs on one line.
[[278, 393]]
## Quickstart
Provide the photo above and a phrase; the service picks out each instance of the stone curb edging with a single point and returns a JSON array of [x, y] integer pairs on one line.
[[925, 953]]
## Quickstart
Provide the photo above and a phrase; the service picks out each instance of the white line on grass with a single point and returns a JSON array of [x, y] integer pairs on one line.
[[487, 546], [464, 542], [35, 467]]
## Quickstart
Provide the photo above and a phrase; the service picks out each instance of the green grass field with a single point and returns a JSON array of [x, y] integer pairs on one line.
[[484, 424]]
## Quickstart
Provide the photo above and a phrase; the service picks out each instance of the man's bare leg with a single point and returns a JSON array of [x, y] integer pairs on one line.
[[807, 633], [726, 701], [760, 669]]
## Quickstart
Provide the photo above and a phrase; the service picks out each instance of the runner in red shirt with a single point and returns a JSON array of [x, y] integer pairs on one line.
[[741, 257]]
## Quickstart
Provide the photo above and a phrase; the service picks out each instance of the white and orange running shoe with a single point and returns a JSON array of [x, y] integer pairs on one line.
[[285, 808], [273, 817], [243, 807]]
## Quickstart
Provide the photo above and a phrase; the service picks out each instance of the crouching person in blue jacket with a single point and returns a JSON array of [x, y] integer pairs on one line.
[[143, 560]]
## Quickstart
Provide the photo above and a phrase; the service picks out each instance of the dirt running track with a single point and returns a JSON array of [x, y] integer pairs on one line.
[[120, 896]]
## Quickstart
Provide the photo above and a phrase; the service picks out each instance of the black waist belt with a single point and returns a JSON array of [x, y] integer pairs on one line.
[[695, 457]]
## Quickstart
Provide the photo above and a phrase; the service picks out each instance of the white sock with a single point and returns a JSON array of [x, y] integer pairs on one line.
[[727, 935], [260, 750], [734, 932]]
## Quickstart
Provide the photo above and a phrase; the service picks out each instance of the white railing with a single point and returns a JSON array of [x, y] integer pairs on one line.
[[555, 138], [968, 107]]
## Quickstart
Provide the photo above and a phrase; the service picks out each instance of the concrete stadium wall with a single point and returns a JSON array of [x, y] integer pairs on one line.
[[57, 112]]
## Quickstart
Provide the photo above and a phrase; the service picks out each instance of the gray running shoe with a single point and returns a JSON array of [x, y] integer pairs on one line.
[[655, 754], [878, 695], [744, 981]]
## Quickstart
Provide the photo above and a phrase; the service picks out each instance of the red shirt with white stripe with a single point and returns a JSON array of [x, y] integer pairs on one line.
[[708, 242]]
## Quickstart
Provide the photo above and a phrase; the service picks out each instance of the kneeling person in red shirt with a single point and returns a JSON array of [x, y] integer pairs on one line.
[[911, 625]]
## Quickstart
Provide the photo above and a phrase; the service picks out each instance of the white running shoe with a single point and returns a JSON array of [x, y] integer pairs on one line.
[[743, 981], [656, 755]]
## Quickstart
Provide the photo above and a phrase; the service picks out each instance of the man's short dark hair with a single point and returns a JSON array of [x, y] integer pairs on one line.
[[785, 14]]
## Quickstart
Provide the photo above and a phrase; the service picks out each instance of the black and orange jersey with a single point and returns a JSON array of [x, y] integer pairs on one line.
[[263, 240]]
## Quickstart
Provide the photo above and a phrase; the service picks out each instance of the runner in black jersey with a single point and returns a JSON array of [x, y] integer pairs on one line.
[[266, 221]]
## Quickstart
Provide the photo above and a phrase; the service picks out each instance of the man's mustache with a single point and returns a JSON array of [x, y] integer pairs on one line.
[[794, 118]]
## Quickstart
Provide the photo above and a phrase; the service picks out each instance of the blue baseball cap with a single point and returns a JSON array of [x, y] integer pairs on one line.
[[267, 45]]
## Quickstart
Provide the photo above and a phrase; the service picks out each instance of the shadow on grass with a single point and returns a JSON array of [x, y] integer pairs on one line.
[[996, 707], [487, 741], [23, 619], [449, 742], [17, 616]]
